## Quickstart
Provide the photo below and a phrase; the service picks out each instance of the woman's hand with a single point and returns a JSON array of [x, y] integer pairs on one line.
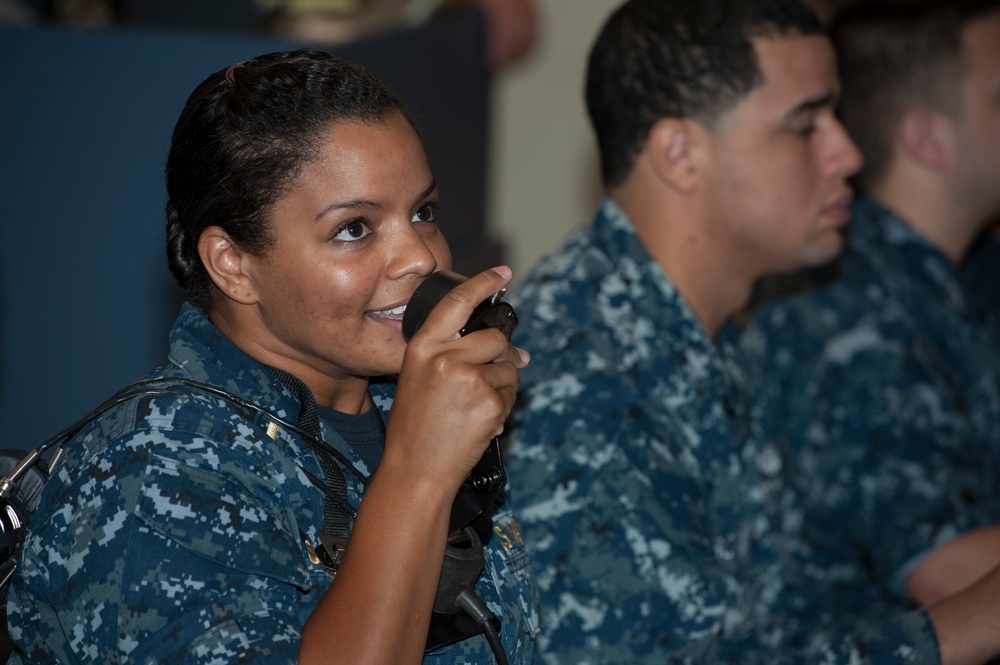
[[454, 393]]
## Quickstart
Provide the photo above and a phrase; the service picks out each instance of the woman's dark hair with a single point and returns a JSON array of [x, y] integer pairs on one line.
[[244, 135], [677, 59]]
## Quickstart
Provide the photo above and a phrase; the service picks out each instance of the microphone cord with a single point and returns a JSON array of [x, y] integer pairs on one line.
[[476, 608]]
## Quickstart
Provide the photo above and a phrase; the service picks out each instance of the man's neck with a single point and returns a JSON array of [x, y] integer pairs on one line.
[[925, 203], [691, 260]]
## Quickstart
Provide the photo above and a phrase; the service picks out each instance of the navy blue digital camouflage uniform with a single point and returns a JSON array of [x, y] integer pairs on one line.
[[661, 527], [884, 382], [174, 530]]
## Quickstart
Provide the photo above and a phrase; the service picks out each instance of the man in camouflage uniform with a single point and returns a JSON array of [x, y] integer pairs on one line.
[[884, 380], [663, 527], [225, 492]]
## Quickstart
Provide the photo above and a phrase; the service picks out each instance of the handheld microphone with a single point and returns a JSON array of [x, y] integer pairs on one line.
[[487, 479], [458, 611]]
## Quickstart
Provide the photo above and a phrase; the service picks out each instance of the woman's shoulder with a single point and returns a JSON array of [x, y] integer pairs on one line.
[[167, 421], [169, 445]]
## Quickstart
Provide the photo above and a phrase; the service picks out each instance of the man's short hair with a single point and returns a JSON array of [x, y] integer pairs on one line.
[[895, 55], [677, 58]]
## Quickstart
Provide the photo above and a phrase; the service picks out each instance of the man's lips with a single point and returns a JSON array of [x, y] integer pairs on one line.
[[839, 210]]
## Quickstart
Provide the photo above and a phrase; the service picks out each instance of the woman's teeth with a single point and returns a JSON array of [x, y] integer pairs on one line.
[[394, 313]]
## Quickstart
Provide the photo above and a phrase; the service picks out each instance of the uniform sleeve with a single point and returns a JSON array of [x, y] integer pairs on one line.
[[162, 550], [628, 566]]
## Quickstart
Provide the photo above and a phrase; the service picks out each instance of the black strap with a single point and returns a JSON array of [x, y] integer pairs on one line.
[[336, 519]]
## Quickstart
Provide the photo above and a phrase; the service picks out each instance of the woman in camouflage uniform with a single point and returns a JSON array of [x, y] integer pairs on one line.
[[200, 523]]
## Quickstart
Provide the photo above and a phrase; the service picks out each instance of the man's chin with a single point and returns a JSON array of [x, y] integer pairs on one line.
[[826, 249], [814, 255]]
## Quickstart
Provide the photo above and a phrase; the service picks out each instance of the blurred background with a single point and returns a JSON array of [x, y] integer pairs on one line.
[[92, 89]]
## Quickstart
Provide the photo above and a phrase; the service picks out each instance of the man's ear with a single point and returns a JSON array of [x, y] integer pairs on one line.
[[670, 149], [224, 261], [925, 136]]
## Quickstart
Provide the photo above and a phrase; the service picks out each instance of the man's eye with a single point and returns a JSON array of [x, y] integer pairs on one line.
[[351, 231], [425, 213], [806, 131]]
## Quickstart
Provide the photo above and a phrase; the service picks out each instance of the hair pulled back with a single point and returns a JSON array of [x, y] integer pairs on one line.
[[244, 134]]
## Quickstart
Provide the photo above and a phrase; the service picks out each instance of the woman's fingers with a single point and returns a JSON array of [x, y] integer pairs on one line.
[[453, 311], [455, 393]]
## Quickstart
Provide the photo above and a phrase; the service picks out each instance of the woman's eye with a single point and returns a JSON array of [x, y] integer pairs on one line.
[[425, 213], [351, 231]]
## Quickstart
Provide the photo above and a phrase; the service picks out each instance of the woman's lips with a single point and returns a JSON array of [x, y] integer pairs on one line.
[[390, 314]]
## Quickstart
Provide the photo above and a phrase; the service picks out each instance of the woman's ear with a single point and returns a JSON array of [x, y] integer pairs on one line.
[[224, 261], [669, 147]]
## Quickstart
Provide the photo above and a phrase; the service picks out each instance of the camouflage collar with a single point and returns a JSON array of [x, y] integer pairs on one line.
[[203, 353], [685, 345], [896, 249]]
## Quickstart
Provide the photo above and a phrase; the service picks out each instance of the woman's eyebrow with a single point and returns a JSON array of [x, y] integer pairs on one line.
[[353, 204], [365, 204], [427, 192]]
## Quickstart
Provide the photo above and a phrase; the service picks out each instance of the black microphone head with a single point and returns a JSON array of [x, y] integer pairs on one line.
[[428, 294]]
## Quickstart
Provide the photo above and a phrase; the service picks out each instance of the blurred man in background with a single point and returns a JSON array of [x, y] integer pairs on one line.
[[884, 379]]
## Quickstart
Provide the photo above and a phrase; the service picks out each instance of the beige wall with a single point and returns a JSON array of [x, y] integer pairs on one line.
[[543, 164]]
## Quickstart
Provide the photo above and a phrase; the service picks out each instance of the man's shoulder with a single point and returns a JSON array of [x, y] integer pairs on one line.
[[562, 320], [851, 301], [589, 310], [606, 335]]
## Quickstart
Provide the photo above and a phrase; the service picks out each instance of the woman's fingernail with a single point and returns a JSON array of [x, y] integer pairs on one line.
[[503, 271]]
